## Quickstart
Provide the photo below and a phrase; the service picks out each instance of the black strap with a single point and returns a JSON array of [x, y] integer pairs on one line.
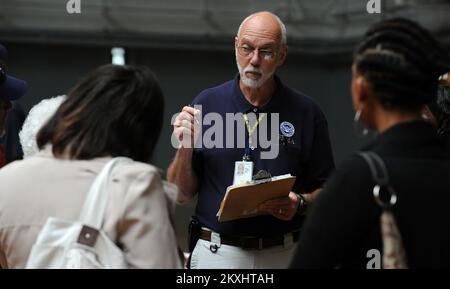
[[377, 168], [380, 176]]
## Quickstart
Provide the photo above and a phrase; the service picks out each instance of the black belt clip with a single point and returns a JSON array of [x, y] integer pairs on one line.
[[213, 248], [215, 242]]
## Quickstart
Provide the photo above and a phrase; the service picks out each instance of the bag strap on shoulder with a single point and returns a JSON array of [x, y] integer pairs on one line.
[[93, 209], [377, 168], [380, 176]]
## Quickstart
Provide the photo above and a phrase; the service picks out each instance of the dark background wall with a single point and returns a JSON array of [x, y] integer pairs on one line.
[[53, 69]]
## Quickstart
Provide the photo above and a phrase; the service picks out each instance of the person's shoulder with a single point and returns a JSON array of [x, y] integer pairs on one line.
[[131, 171], [350, 183], [352, 163], [136, 181], [300, 98], [9, 169], [21, 167], [215, 91], [19, 171], [353, 170]]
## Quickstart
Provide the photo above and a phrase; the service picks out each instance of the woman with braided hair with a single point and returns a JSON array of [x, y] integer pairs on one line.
[[395, 73]]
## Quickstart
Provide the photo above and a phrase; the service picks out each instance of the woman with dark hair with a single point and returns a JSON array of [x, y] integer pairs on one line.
[[114, 111], [395, 72]]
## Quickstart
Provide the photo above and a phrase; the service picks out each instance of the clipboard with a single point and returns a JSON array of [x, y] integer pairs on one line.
[[242, 201]]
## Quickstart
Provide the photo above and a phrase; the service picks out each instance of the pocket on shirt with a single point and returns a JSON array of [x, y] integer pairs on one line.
[[291, 155], [291, 149]]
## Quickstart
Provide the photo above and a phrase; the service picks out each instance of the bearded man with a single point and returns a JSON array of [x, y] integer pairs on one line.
[[303, 148]]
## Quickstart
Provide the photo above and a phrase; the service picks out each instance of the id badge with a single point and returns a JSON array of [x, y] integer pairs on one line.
[[243, 172]]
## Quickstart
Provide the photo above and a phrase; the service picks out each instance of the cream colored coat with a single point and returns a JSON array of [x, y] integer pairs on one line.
[[137, 215]]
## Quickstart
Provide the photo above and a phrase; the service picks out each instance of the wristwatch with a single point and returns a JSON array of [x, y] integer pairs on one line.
[[302, 205]]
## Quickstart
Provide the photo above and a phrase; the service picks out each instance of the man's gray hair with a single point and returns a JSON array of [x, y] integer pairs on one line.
[[282, 26]]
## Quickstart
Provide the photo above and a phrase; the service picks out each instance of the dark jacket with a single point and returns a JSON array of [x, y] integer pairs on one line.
[[344, 225], [12, 150]]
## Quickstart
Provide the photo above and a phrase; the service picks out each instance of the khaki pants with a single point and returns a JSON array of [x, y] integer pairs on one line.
[[231, 257]]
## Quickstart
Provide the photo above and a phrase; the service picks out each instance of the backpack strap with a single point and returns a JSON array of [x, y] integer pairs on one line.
[[93, 210]]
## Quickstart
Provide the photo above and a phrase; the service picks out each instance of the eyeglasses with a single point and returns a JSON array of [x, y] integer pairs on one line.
[[265, 53]]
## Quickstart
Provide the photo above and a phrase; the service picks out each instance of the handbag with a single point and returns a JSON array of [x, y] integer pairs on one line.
[[80, 244], [394, 256]]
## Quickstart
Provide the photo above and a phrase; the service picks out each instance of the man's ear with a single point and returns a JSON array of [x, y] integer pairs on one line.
[[283, 53], [236, 41]]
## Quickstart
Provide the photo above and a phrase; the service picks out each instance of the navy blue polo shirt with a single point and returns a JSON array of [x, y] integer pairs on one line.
[[307, 155]]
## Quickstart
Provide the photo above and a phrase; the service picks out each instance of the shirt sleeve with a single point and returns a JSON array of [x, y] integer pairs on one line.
[[320, 163], [340, 219], [145, 231]]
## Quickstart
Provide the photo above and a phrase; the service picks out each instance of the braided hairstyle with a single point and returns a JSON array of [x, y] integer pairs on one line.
[[402, 63]]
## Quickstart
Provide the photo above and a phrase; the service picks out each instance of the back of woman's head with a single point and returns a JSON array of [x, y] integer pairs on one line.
[[113, 111], [402, 63]]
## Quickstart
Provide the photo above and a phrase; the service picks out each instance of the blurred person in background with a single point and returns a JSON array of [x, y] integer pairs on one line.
[[35, 120], [13, 125], [438, 112], [11, 114], [442, 110]]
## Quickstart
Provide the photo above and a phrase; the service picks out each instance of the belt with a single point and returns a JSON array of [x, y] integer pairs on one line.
[[249, 243]]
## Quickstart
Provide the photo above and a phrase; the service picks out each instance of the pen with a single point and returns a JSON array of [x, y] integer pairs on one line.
[[195, 119]]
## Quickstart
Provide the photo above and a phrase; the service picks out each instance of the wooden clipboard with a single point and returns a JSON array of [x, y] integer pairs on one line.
[[243, 201]]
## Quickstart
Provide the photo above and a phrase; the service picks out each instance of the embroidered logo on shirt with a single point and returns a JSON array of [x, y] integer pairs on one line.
[[287, 129]]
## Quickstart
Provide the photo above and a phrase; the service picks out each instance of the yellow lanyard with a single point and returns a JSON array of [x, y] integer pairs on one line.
[[252, 129]]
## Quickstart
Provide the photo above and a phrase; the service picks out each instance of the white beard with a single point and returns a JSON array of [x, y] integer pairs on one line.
[[253, 83]]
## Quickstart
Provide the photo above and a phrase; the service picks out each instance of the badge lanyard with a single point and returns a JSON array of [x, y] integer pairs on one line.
[[251, 130]]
